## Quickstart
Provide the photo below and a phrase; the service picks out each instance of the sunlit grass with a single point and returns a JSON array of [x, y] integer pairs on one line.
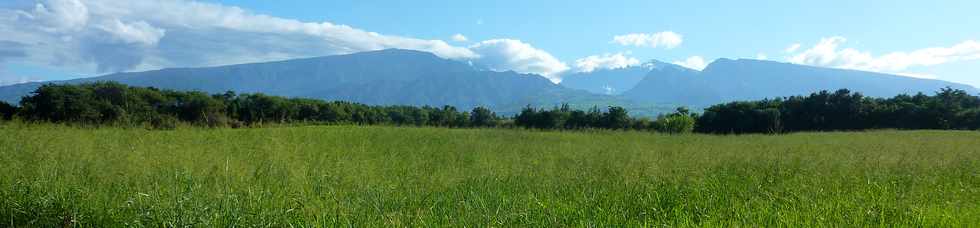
[[386, 176]]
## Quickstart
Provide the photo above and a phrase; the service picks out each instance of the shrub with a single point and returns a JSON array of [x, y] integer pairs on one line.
[[163, 122], [674, 124]]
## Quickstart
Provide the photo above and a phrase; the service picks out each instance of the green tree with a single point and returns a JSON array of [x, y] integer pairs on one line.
[[616, 118], [528, 117], [7, 111], [483, 117]]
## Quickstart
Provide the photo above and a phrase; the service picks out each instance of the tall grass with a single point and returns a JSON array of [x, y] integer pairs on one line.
[[384, 176]]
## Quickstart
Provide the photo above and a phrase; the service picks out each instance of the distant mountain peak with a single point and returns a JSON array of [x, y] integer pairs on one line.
[[654, 64], [660, 66], [750, 79]]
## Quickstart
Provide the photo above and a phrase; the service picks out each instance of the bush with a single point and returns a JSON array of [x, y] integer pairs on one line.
[[483, 117], [163, 122], [674, 124]]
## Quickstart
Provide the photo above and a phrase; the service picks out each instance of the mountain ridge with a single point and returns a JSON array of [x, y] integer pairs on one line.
[[725, 80], [385, 77], [407, 77]]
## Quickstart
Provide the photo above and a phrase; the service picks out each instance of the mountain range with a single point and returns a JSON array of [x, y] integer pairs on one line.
[[726, 80], [386, 77], [404, 77]]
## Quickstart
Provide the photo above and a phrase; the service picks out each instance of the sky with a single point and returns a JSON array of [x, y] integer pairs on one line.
[[44, 40]]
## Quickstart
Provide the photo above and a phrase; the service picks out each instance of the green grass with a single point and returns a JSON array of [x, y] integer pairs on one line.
[[385, 176]]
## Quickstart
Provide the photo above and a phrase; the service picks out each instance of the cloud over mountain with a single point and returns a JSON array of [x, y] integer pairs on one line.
[[693, 62], [605, 61], [510, 54], [829, 53], [98, 36], [665, 39]]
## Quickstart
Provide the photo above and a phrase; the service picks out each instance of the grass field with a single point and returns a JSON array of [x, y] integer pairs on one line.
[[385, 176]]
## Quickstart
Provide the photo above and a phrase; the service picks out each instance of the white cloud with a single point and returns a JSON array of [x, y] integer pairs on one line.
[[761, 56], [605, 61], [510, 54], [459, 38], [792, 48], [60, 15], [828, 53], [95, 36], [665, 39], [99, 36], [693, 62], [138, 32]]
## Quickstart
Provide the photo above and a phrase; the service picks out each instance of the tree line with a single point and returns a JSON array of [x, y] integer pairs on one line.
[[617, 118], [110, 103], [843, 110]]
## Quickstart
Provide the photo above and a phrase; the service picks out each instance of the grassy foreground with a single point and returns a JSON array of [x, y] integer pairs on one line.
[[385, 176]]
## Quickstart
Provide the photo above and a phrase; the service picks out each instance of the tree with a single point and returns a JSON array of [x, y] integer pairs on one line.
[[674, 124], [483, 117], [7, 111], [61, 103], [527, 118], [616, 118], [680, 122], [741, 117], [197, 107], [968, 119]]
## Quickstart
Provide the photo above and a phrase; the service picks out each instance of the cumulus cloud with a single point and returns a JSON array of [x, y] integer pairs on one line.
[[98, 36], [60, 16], [459, 38], [693, 62], [510, 54], [761, 56], [605, 61], [665, 39], [828, 53], [138, 32]]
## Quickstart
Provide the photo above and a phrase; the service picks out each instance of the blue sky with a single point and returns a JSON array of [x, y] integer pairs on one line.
[[552, 38]]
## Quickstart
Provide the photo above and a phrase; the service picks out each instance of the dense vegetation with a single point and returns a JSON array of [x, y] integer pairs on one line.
[[330, 176], [616, 118], [7, 111], [844, 110], [114, 103], [117, 104]]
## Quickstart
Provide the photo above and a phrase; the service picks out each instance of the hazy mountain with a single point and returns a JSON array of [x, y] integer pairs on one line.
[[728, 80], [402, 77], [387, 77], [673, 84], [608, 81]]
